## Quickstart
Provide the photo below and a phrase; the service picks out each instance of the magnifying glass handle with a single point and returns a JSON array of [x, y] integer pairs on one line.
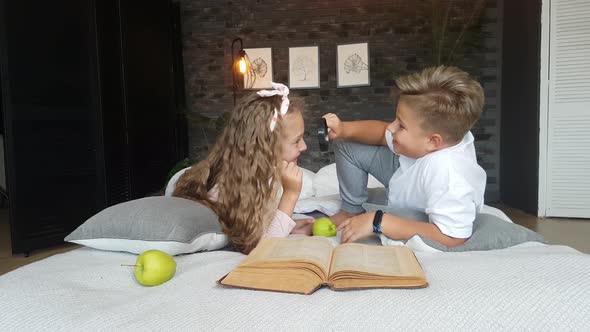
[[323, 138]]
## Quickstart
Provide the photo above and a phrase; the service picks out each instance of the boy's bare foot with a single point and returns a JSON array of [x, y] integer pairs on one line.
[[341, 216]]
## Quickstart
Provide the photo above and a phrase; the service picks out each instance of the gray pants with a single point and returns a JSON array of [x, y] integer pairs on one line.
[[354, 163]]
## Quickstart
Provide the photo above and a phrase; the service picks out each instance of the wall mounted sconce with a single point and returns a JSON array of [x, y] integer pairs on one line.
[[241, 68]]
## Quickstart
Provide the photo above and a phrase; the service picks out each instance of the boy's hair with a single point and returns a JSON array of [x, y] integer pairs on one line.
[[447, 99], [242, 164]]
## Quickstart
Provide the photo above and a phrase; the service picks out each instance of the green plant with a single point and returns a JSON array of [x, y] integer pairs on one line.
[[217, 123], [210, 127], [184, 163], [454, 29]]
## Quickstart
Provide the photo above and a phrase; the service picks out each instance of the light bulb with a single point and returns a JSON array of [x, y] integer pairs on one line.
[[242, 65]]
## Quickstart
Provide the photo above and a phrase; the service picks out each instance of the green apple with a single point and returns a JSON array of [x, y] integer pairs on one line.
[[324, 227], [154, 267]]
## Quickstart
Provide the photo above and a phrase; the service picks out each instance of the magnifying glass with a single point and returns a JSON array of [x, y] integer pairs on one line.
[[323, 138]]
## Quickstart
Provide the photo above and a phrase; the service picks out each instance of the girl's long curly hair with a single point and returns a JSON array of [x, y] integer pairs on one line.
[[243, 164]]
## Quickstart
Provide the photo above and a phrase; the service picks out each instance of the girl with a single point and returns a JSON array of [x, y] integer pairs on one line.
[[240, 178]]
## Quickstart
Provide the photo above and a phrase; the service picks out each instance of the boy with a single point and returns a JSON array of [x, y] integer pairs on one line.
[[438, 172]]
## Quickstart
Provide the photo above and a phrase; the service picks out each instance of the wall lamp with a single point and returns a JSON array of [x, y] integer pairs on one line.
[[240, 66]]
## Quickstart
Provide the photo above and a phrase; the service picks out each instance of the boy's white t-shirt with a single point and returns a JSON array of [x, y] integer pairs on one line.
[[447, 184]]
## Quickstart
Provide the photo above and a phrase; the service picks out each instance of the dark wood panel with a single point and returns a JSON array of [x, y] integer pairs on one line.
[[519, 162], [112, 102]]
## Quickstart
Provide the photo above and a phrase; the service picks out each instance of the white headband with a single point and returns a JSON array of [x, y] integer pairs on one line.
[[278, 90]]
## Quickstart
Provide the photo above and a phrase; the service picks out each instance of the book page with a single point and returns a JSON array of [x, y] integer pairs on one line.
[[315, 249], [389, 261]]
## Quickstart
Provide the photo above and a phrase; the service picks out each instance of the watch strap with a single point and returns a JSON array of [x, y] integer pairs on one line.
[[377, 221]]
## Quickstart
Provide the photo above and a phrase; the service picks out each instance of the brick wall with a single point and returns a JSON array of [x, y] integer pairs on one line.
[[400, 37]]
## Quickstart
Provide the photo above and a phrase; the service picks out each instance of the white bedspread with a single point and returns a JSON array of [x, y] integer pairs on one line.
[[530, 287]]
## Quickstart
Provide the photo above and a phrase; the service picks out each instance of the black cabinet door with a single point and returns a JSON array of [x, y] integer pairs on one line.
[[141, 91], [89, 96], [146, 28], [52, 139]]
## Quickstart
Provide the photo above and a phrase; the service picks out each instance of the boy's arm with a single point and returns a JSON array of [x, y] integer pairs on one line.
[[370, 132], [398, 228], [395, 228]]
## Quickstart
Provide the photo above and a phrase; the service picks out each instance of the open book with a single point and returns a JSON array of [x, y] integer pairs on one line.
[[302, 265]]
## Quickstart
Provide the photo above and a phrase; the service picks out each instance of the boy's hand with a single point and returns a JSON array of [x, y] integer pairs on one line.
[[291, 178], [303, 226], [335, 126], [357, 227]]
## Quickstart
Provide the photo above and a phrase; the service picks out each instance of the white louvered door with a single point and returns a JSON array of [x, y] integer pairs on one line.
[[568, 121]]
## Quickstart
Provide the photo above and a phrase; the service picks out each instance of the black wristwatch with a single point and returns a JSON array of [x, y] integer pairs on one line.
[[377, 221]]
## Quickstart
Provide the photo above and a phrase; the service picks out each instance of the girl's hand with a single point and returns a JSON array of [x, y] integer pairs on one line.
[[291, 178], [303, 226], [357, 227], [335, 126]]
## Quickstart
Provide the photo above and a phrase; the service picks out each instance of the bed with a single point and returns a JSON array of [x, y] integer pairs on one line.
[[526, 287], [529, 287]]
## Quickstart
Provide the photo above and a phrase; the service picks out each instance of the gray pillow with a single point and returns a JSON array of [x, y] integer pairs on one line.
[[489, 231], [172, 224]]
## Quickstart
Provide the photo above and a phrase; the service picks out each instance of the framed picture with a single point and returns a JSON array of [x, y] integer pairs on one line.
[[353, 65], [260, 75], [304, 67]]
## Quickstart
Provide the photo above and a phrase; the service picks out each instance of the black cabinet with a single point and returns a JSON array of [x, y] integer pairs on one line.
[[92, 113]]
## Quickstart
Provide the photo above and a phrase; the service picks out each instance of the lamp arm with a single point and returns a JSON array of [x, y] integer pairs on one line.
[[232, 48], [233, 74]]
